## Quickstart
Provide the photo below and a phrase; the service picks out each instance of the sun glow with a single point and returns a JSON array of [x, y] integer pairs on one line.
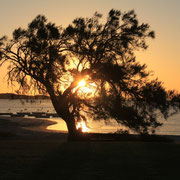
[[82, 87], [82, 126], [85, 89], [82, 83]]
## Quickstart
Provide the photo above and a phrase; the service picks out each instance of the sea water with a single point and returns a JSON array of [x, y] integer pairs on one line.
[[170, 127]]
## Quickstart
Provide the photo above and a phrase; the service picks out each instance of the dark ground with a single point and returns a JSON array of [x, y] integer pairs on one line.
[[35, 153]]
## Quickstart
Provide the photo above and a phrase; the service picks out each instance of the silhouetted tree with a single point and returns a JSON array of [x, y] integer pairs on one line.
[[53, 61]]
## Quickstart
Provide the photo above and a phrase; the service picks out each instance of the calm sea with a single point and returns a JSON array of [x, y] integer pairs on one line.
[[170, 127]]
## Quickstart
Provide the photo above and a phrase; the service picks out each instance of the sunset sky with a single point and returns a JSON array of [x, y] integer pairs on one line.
[[162, 56]]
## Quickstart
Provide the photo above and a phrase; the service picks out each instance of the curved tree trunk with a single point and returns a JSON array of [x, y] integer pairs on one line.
[[74, 134], [62, 110]]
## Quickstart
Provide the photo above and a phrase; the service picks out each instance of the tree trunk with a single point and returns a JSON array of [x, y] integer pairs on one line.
[[74, 134], [62, 110]]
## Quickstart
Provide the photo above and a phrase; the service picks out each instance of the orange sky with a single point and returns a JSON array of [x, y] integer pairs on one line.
[[163, 54]]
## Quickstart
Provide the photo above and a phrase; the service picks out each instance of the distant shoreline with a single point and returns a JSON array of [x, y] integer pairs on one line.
[[18, 96]]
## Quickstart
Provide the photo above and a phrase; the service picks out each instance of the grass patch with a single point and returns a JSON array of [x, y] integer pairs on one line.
[[52, 159], [7, 134], [111, 160], [18, 157]]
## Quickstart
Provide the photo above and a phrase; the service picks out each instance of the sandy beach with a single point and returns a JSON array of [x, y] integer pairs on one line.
[[20, 127]]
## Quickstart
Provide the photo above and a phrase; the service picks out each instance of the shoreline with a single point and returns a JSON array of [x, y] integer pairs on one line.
[[37, 128], [33, 128]]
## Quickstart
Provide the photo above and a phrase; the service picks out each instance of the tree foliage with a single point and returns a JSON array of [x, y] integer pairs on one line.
[[53, 60]]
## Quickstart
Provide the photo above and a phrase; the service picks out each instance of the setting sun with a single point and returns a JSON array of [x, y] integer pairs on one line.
[[82, 83], [85, 89]]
